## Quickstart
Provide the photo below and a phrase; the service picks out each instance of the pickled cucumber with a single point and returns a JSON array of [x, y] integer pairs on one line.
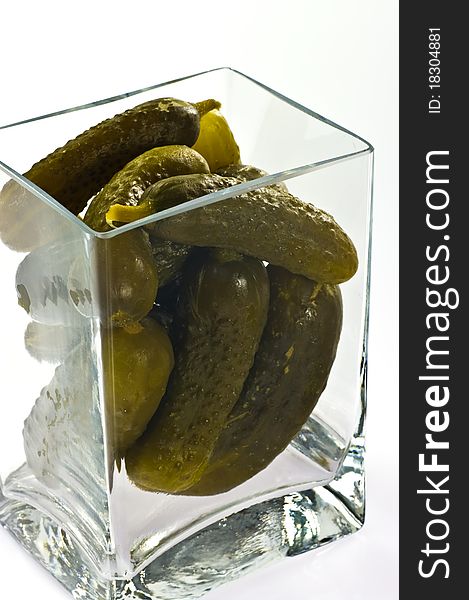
[[77, 170], [224, 304], [267, 223], [128, 185], [290, 372], [136, 367], [73, 173], [169, 256]]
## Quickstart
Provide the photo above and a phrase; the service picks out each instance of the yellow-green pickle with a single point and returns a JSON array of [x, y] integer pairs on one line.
[[216, 141], [224, 302], [137, 365]]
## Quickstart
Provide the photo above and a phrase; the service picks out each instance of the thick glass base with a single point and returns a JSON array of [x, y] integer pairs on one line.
[[281, 527]]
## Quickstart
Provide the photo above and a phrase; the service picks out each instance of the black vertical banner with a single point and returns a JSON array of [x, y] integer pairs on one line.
[[434, 329]]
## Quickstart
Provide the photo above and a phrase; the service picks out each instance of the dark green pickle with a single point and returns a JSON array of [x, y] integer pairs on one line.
[[126, 189], [267, 223], [224, 302], [73, 173], [290, 372]]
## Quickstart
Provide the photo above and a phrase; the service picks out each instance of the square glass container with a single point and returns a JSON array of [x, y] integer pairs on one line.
[[66, 367]]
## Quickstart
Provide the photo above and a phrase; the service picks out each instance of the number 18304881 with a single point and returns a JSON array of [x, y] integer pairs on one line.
[[434, 70]]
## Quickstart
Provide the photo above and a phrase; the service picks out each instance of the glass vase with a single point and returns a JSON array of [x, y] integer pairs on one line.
[[108, 526]]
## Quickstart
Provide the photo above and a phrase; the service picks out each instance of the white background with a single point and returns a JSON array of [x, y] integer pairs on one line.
[[337, 57]]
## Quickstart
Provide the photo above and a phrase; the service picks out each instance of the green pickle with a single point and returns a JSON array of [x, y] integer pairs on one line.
[[224, 302], [79, 169], [73, 173], [136, 364], [267, 223], [126, 189], [289, 374], [128, 185], [165, 194]]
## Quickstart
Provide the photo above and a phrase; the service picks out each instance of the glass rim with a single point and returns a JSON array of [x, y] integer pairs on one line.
[[201, 201]]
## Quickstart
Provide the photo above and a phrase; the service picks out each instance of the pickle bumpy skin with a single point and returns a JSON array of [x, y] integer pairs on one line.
[[268, 223], [73, 173], [126, 189], [128, 185], [145, 358], [224, 304], [77, 170], [289, 374], [247, 173]]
